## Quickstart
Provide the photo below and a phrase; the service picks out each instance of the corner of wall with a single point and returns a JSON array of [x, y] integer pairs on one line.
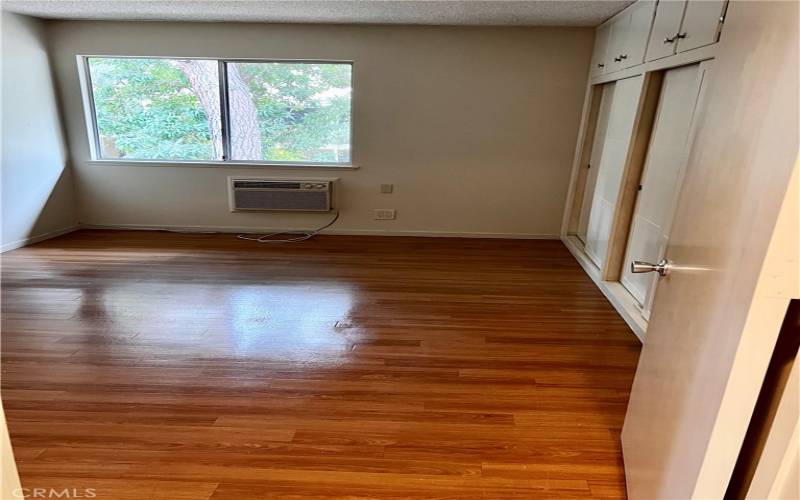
[[38, 189]]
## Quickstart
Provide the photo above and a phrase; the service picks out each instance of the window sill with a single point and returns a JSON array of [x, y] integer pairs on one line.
[[219, 164]]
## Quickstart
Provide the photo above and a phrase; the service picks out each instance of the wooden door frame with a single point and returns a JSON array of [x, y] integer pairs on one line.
[[594, 98]]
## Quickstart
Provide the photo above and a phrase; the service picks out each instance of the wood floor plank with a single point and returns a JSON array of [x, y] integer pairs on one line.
[[178, 366]]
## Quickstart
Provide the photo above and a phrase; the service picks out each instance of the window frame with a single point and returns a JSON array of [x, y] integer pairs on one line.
[[93, 135]]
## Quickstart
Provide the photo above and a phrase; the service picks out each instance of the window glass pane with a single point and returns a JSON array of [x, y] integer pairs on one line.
[[290, 111], [157, 109]]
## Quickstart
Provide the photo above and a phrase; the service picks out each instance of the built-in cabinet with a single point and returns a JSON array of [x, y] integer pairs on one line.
[[650, 30], [682, 25], [702, 24], [666, 29], [615, 53], [601, 40], [636, 32], [649, 68]]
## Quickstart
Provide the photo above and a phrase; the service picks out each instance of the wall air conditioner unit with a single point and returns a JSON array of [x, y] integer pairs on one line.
[[304, 195]]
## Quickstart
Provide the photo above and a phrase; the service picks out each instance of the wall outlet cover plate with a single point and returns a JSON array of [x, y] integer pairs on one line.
[[384, 214]]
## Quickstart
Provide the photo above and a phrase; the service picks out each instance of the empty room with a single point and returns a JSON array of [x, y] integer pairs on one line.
[[390, 249]]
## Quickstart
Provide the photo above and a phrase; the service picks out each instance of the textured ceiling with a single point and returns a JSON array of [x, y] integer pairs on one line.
[[430, 12]]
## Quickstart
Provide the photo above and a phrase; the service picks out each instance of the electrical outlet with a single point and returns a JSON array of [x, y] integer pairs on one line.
[[384, 214], [387, 188]]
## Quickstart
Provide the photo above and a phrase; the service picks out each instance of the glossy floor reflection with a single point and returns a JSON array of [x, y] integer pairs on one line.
[[155, 365]]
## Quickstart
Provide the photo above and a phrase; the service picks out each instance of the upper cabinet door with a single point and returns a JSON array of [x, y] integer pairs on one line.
[[618, 42], [599, 57], [667, 25], [638, 32], [701, 23]]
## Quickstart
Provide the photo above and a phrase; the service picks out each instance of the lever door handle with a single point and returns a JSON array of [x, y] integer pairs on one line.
[[662, 268]]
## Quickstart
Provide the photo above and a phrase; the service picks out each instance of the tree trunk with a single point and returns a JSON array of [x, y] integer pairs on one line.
[[245, 133], [203, 77], [245, 130]]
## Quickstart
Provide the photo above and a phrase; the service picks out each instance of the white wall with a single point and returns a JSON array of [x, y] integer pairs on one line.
[[476, 127], [37, 191]]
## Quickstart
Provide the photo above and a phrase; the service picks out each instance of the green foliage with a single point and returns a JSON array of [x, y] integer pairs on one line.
[[303, 109], [147, 109]]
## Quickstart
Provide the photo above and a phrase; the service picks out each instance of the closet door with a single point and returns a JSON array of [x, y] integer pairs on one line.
[[663, 175], [606, 98], [627, 93], [666, 26], [701, 24]]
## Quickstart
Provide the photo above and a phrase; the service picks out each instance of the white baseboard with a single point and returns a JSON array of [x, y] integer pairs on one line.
[[444, 234], [622, 301], [349, 232], [36, 239]]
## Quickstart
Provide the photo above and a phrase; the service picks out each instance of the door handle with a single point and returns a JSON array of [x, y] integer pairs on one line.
[[662, 268]]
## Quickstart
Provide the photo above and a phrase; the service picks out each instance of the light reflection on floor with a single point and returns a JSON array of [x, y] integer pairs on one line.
[[290, 322], [181, 317], [293, 321]]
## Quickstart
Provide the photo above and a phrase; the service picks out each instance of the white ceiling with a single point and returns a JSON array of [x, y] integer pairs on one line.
[[428, 12]]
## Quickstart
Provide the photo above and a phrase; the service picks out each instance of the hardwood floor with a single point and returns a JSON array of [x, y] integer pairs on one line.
[[173, 366]]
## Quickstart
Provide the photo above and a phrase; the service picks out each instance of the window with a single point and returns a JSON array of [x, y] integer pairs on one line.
[[217, 111], [289, 111]]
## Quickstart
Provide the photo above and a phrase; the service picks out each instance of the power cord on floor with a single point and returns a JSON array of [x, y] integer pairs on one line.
[[267, 238]]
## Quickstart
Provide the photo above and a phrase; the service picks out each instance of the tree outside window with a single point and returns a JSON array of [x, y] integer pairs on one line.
[[170, 109]]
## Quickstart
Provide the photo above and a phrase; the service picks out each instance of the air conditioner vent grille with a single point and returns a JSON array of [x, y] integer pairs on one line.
[[305, 195]]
